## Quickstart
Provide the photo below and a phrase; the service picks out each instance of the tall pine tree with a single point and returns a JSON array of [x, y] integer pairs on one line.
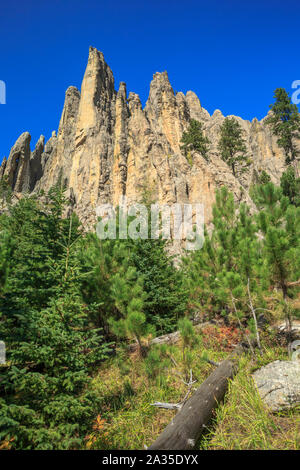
[[232, 146], [285, 123]]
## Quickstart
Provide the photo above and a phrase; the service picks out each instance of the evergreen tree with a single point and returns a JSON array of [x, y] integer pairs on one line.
[[194, 140], [166, 298], [114, 267], [280, 223], [290, 186], [51, 346], [232, 145], [285, 123], [188, 340], [132, 323], [263, 177], [228, 275]]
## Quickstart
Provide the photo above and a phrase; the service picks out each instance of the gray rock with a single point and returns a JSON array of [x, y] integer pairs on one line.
[[17, 168], [35, 163], [278, 384]]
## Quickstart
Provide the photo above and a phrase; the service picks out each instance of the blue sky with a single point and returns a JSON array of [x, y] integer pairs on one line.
[[232, 53]]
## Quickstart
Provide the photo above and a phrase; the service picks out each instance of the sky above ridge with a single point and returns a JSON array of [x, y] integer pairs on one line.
[[231, 53]]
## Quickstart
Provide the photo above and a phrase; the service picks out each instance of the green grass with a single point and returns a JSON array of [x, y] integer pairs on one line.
[[128, 421], [243, 422]]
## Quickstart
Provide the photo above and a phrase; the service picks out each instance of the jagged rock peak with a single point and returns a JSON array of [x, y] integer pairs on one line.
[[2, 167], [196, 110], [39, 147], [122, 92], [217, 112], [17, 167], [35, 163], [97, 91], [134, 101], [70, 110], [159, 85], [108, 146]]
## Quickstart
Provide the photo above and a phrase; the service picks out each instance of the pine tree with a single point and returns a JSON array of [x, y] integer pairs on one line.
[[166, 297], [280, 223], [44, 322], [188, 340], [194, 140], [124, 262], [285, 123], [232, 146], [227, 276], [263, 177], [290, 186], [133, 323]]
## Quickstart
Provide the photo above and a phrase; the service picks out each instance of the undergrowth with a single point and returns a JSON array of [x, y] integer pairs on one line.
[[242, 422], [129, 421]]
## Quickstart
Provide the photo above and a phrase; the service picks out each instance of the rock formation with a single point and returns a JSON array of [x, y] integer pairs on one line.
[[278, 384], [107, 146]]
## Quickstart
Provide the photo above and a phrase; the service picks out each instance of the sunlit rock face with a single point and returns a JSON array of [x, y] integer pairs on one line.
[[108, 146]]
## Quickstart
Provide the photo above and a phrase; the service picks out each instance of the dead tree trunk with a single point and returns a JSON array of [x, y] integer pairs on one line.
[[187, 426], [170, 338]]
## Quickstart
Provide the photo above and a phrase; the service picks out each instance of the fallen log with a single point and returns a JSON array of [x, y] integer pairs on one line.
[[170, 338], [191, 420]]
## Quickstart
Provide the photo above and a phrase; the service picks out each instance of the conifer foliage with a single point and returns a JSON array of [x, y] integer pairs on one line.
[[285, 123], [44, 322], [232, 146], [194, 140], [244, 257], [68, 300]]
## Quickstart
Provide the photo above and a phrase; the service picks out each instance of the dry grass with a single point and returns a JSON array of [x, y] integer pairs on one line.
[[242, 422], [128, 421]]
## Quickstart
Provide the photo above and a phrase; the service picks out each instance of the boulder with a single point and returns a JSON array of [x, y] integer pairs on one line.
[[278, 384]]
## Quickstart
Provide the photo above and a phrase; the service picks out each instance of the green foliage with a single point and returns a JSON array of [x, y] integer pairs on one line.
[[44, 322], [189, 158], [133, 323], [279, 221], [189, 340], [187, 332], [194, 140], [232, 146], [290, 186], [157, 361], [65, 294], [118, 271], [263, 177], [5, 191], [166, 297], [244, 257], [285, 123], [6, 246]]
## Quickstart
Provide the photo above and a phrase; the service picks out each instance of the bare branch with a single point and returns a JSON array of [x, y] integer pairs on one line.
[[254, 315], [167, 406]]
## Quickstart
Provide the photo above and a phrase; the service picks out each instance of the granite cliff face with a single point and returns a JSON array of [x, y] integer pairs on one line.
[[107, 146]]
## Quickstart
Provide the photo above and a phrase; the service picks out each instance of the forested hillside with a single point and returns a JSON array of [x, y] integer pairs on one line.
[[71, 303]]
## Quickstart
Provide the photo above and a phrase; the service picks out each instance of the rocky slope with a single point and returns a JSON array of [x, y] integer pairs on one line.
[[107, 145]]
